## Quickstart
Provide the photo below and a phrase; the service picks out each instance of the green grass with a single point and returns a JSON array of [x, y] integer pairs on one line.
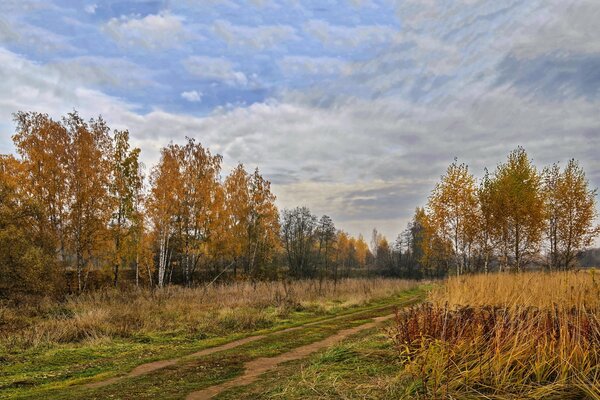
[[364, 366], [55, 371]]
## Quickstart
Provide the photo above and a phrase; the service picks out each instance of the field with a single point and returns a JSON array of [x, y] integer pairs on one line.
[[49, 348], [496, 336]]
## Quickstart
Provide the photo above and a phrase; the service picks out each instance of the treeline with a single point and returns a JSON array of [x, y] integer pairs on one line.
[[513, 218], [77, 212]]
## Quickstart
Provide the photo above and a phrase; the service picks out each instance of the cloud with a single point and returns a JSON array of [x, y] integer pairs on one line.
[[369, 132], [215, 69], [192, 96], [154, 31], [90, 8], [567, 27], [303, 65], [254, 37], [104, 71], [349, 36], [41, 40]]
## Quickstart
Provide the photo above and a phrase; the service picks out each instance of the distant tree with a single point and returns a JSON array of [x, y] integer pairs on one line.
[[326, 236], [298, 230]]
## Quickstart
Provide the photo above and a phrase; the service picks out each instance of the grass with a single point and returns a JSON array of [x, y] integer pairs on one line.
[[45, 351], [513, 336], [364, 366], [530, 335]]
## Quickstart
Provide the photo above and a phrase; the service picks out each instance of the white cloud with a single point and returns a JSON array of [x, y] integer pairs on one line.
[[297, 65], [216, 69], [366, 162], [154, 31], [255, 37], [104, 71], [90, 8], [33, 37], [192, 95], [349, 36]]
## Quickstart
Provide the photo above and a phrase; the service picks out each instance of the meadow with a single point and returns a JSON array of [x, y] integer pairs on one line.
[[533, 335], [49, 344]]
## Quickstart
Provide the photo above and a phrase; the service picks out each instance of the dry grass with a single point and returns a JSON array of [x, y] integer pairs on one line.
[[218, 310], [533, 289], [531, 335]]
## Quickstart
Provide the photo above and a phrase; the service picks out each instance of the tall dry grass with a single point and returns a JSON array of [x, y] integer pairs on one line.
[[197, 312], [532, 289], [497, 336]]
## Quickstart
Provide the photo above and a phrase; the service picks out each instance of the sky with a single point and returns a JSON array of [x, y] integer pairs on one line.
[[353, 108]]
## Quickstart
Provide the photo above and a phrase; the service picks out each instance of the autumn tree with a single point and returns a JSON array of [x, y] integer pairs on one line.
[[27, 254], [487, 232], [43, 145], [90, 208], [125, 189], [263, 225], [200, 201], [571, 210], [518, 209], [163, 205], [454, 212], [551, 176], [68, 172], [237, 204]]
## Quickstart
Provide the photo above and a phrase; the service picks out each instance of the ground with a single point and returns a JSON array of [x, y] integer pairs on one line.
[[300, 358]]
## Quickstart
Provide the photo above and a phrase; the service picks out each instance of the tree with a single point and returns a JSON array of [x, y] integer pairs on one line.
[[125, 189], [518, 209], [572, 211], [88, 175], [68, 171], [263, 224], [237, 204], [200, 204], [326, 238], [298, 235], [486, 230], [43, 146], [453, 208], [27, 262], [551, 177], [162, 205]]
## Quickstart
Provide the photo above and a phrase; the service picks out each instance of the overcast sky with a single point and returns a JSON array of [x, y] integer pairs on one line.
[[351, 107]]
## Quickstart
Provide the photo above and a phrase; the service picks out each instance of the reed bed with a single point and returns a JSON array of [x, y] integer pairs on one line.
[[194, 312], [530, 335]]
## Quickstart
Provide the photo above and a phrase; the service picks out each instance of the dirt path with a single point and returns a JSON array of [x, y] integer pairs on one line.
[[254, 368], [155, 365]]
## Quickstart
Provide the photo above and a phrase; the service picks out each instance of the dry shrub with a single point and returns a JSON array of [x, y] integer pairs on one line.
[[507, 339], [216, 310]]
